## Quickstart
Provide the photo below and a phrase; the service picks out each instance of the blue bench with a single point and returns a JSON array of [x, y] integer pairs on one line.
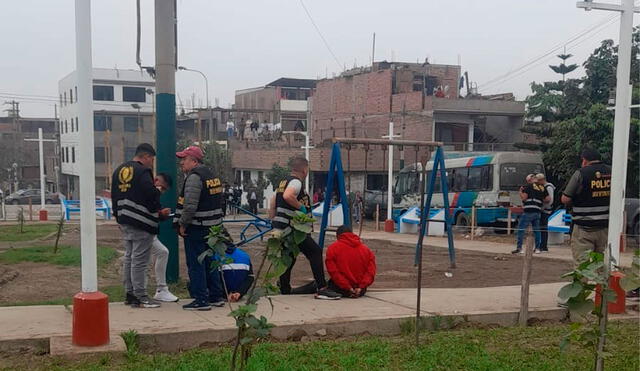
[[566, 221], [73, 206]]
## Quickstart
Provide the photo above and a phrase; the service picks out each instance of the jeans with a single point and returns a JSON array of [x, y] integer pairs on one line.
[[160, 256], [137, 252], [527, 219], [313, 252], [202, 283], [544, 231]]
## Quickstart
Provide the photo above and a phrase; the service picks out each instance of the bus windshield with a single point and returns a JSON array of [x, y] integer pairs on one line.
[[513, 175], [407, 183]]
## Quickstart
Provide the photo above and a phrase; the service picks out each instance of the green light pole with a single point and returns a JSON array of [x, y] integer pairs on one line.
[[165, 23]]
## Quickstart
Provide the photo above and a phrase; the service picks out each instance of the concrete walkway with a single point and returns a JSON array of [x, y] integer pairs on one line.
[[170, 328]]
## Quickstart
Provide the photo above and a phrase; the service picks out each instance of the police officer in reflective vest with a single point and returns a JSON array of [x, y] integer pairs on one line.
[[199, 208], [588, 192], [291, 197], [136, 206]]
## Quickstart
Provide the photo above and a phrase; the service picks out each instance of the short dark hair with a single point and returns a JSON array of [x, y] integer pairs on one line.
[[590, 154], [343, 229], [298, 163], [167, 179], [145, 149]]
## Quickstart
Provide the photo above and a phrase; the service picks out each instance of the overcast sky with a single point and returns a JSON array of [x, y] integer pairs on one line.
[[242, 44]]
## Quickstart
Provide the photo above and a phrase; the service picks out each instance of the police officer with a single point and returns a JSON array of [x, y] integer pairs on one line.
[[588, 191], [290, 197], [199, 208], [136, 206]]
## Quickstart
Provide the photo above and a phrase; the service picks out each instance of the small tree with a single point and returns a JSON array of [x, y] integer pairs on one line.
[[276, 174]]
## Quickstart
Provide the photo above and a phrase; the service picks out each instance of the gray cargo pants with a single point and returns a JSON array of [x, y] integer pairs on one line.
[[137, 253]]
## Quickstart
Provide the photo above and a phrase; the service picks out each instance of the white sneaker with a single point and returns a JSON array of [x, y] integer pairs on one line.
[[536, 251], [165, 295]]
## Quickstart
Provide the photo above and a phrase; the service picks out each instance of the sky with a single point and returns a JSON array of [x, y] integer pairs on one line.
[[248, 43]]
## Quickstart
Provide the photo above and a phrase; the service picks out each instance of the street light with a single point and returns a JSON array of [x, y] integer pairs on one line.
[[212, 130]]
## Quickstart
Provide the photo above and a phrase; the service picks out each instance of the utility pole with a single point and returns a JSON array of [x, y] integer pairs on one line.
[[388, 224], [165, 36], [622, 119], [41, 141]]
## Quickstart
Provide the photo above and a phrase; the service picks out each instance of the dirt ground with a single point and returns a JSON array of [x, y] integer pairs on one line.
[[40, 282]]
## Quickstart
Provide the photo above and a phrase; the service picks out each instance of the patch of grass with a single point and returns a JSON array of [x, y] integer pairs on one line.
[[67, 255], [130, 338], [532, 348], [11, 233]]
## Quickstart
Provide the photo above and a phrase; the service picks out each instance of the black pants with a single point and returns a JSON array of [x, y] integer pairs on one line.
[[253, 206], [344, 293], [544, 223], [313, 252]]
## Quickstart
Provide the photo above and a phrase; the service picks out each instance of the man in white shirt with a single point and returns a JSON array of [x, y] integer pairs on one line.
[[230, 129], [547, 210]]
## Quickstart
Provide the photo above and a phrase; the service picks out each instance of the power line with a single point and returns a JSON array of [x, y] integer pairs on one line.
[[340, 65], [551, 51]]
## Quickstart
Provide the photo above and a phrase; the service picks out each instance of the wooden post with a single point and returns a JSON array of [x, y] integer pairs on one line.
[[377, 217], [509, 221], [526, 278], [473, 221], [30, 210]]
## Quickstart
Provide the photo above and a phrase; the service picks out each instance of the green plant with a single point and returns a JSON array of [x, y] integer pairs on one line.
[[276, 174], [591, 275], [282, 248], [631, 279], [130, 338]]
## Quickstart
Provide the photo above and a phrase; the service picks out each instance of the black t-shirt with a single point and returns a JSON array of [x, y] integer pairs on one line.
[[537, 193]]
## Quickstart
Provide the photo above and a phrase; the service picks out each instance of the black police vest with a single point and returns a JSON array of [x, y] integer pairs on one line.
[[135, 200], [284, 211], [533, 204], [591, 205], [209, 211]]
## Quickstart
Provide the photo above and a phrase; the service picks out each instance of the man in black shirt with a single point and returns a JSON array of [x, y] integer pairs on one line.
[[533, 196]]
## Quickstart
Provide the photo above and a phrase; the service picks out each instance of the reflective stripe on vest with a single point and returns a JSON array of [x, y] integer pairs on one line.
[[137, 212]]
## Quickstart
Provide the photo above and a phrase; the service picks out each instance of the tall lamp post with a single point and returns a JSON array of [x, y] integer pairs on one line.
[[212, 129]]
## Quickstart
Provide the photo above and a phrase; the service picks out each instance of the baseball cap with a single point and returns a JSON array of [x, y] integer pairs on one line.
[[192, 151]]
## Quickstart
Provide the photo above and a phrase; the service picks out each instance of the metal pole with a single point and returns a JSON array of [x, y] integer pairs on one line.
[[165, 20], [306, 155], [86, 163], [41, 156], [621, 131], [390, 174]]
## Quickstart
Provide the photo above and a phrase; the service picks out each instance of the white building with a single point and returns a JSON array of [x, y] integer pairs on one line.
[[123, 109]]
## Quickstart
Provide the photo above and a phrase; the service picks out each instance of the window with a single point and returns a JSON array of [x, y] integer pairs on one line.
[[70, 95], [100, 155], [66, 154], [60, 100], [77, 125], [479, 178], [460, 176], [73, 154], [66, 127], [513, 175], [131, 94], [65, 98], [101, 123], [130, 124], [76, 89], [103, 92], [129, 153]]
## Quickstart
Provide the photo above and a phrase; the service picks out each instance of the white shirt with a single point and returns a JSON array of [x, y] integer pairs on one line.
[[230, 125], [296, 185]]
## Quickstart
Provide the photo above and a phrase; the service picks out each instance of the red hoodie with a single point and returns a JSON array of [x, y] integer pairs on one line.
[[350, 263]]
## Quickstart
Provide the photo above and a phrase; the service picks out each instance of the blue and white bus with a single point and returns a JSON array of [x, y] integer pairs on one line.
[[488, 180]]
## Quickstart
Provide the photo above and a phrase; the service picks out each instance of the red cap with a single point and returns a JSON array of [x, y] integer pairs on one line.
[[192, 151]]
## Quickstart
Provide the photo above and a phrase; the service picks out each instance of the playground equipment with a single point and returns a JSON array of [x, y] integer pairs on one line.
[[261, 226], [73, 206]]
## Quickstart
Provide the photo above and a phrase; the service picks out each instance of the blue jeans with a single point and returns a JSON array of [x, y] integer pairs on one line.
[[527, 219], [204, 284]]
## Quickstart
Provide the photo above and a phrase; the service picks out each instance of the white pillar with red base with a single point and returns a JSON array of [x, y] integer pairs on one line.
[[90, 307]]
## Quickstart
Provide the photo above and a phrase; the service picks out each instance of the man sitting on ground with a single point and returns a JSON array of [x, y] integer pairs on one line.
[[238, 275], [350, 263]]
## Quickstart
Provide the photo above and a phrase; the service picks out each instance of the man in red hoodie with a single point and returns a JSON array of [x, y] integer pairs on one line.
[[350, 263]]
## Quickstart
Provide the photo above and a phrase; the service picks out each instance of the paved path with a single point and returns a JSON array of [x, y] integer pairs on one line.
[[33, 322]]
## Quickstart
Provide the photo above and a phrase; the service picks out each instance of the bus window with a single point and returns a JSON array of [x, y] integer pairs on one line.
[[513, 175], [460, 176], [479, 178]]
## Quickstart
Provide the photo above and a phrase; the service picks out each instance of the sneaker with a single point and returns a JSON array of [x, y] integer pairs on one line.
[[327, 294], [130, 299], [217, 302], [517, 251], [544, 251], [196, 305], [165, 295], [306, 289], [536, 251], [145, 302]]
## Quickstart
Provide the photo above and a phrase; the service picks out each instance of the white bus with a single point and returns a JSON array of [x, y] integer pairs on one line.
[[487, 180]]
